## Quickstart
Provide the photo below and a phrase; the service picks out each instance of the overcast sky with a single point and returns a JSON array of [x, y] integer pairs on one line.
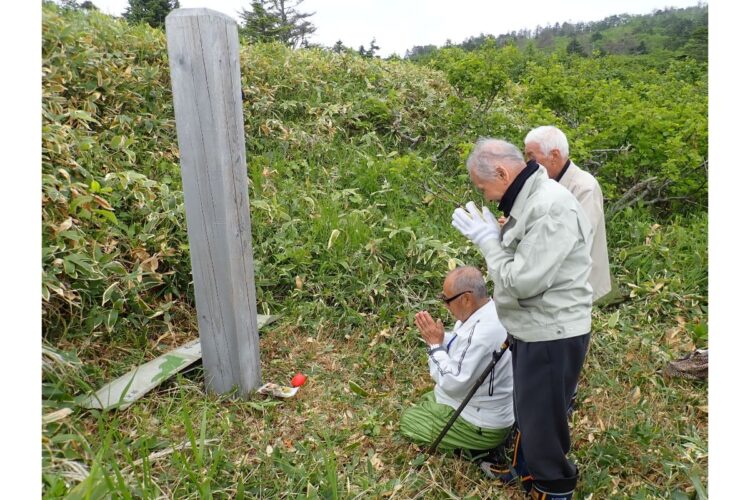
[[398, 25]]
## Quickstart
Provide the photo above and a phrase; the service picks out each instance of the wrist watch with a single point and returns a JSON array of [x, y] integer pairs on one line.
[[434, 346]]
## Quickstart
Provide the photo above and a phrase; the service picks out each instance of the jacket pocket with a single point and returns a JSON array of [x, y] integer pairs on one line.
[[534, 307]]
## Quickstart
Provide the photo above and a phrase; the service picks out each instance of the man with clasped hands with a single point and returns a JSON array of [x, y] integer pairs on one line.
[[539, 261]]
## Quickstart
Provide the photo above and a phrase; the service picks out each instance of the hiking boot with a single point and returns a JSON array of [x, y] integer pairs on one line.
[[506, 474], [517, 471], [539, 494], [692, 366]]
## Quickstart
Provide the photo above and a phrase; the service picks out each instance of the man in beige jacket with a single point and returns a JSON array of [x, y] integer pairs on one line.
[[548, 146]]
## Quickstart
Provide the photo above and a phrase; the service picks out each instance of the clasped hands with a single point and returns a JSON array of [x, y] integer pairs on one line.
[[432, 331], [475, 225]]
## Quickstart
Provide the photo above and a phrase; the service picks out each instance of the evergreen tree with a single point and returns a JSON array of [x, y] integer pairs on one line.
[[373, 48], [276, 20], [640, 49], [153, 12], [260, 25], [575, 47], [697, 45], [339, 47]]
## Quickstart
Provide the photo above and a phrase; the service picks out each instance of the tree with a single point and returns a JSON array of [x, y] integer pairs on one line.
[[373, 48], [697, 45], [640, 49], [575, 47], [277, 20], [260, 25], [74, 5], [419, 52], [339, 47], [481, 74], [152, 12]]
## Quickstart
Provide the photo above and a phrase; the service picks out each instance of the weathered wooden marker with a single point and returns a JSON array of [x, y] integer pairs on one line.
[[203, 48]]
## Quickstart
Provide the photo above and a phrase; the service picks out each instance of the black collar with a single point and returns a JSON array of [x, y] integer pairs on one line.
[[506, 202], [562, 172]]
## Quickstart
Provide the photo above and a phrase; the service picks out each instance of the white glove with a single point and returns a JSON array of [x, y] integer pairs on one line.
[[476, 226]]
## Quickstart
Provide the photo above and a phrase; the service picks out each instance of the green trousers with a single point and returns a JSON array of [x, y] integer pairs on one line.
[[423, 422]]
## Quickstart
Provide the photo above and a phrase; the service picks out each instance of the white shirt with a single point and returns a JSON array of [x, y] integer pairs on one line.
[[466, 352]]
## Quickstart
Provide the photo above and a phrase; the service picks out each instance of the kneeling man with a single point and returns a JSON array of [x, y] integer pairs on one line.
[[456, 359]]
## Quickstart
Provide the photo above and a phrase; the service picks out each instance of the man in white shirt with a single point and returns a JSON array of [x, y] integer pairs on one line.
[[456, 359], [548, 146]]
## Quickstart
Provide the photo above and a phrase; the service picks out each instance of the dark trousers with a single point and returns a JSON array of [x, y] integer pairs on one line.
[[545, 374]]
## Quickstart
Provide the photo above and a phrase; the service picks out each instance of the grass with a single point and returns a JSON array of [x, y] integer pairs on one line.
[[635, 434]]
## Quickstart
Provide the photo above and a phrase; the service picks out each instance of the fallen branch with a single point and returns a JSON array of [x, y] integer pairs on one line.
[[621, 149], [397, 128], [449, 198], [600, 155], [649, 192], [631, 196], [441, 152]]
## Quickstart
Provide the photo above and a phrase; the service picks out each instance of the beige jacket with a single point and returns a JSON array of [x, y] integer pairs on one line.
[[541, 262], [586, 189]]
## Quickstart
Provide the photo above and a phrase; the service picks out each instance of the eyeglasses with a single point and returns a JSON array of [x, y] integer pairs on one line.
[[448, 300]]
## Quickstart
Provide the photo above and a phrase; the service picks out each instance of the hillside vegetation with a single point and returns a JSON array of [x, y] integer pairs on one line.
[[354, 167], [668, 32]]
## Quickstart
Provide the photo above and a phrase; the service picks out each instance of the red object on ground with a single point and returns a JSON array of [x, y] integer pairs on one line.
[[299, 380]]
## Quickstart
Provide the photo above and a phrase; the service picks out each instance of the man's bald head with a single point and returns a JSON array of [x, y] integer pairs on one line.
[[467, 278]]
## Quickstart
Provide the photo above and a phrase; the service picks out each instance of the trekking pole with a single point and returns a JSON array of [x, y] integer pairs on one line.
[[495, 358]]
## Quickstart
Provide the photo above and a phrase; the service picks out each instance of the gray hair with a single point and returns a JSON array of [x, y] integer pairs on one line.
[[488, 152], [469, 278], [548, 138]]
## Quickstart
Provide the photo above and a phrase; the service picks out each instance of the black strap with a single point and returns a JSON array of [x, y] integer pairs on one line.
[[496, 355], [491, 390]]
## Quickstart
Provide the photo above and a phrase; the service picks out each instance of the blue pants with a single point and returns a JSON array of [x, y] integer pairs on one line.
[[545, 374]]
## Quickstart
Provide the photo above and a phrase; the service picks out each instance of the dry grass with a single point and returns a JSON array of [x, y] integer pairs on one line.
[[634, 433]]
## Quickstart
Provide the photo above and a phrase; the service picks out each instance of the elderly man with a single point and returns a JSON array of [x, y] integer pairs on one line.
[[540, 261], [456, 359], [548, 146]]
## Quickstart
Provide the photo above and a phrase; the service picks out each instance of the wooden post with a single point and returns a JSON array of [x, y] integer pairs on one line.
[[203, 49]]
